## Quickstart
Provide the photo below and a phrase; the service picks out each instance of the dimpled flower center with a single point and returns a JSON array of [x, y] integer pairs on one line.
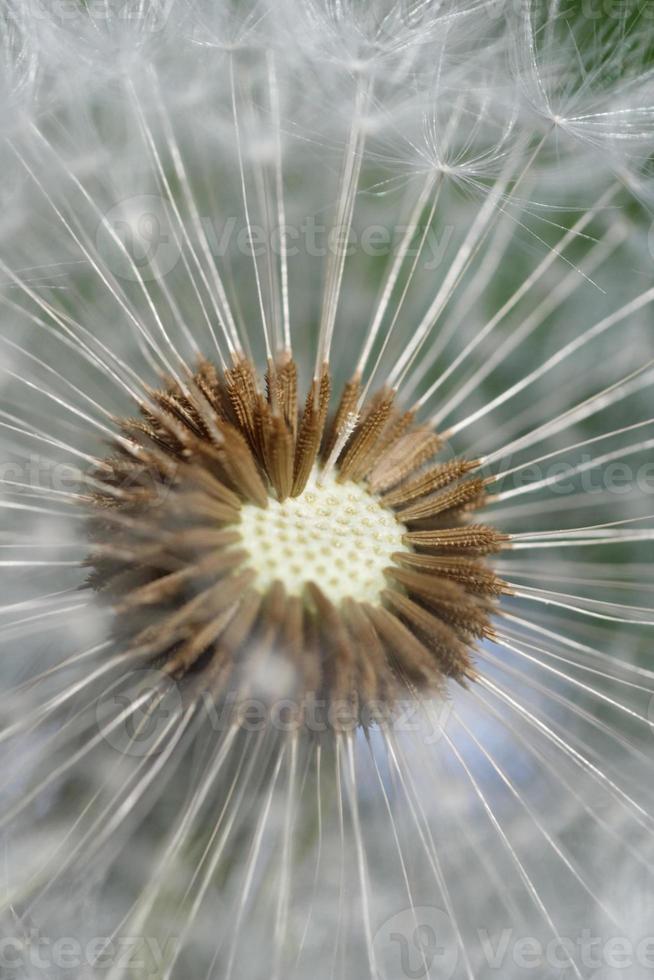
[[336, 535]]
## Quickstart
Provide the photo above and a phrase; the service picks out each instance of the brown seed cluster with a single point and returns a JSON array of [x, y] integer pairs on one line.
[[170, 558]]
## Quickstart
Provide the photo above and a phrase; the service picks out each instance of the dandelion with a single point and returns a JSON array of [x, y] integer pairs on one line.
[[326, 490]]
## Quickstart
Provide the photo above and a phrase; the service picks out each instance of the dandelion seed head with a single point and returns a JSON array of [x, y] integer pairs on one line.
[[295, 763], [235, 524]]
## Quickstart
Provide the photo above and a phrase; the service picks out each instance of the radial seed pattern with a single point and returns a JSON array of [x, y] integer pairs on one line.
[[230, 525]]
